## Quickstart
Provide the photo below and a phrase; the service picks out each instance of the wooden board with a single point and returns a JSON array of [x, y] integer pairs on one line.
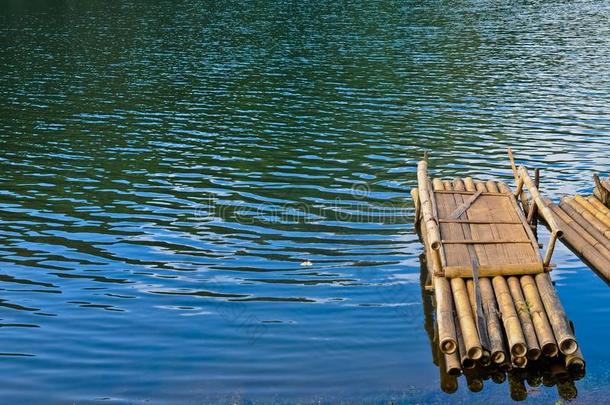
[[491, 231]]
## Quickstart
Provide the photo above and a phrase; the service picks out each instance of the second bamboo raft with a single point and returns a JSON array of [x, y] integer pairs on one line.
[[585, 222]]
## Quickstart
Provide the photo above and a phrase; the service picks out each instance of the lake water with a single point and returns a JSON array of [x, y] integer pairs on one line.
[[166, 169]]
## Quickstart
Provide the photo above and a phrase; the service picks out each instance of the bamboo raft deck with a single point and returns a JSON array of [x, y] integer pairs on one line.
[[585, 222], [495, 305]]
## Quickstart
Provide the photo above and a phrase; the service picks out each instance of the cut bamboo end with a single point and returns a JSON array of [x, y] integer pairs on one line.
[[468, 363], [452, 364], [475, 353], [519, 350], [533, 353], [448, 346], [485, 359], [519, 361], [568, 345], [557, 317], [498, 357], [575, 364], [550, 349]]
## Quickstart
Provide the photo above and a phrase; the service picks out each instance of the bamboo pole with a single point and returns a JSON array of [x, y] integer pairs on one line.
[[545, 213], [599, 206], [493, 270], [575, 362], [444, 304], [464, 359], [542, 326], [432, 229], [533, 348], [485, 359], [452, 364], [512, 326], [521, 193], [466, 320], [598, 195], [444, 315], [494, 327], [592, 210], [557, 317], [591, 221]]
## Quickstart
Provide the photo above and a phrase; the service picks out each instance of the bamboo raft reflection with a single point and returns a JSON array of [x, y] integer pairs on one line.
[[496, 313]]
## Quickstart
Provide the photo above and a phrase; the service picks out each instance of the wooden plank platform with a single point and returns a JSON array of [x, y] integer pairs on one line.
[[493, 223]]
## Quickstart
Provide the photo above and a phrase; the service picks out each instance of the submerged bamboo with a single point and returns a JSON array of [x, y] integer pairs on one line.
[[448, 382], [474, 380], [452, 364], [533, 349], [567, 390], [518, 392], [557, 317], [512, 326], [575, 363]]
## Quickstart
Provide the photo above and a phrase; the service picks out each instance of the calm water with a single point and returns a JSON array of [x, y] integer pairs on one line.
[[166, 167]]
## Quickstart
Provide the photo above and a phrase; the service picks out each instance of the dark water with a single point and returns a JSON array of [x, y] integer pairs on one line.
[[167, 166]]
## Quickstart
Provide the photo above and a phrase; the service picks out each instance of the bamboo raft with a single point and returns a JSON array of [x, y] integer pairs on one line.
[[586, 225], [496, 307]]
